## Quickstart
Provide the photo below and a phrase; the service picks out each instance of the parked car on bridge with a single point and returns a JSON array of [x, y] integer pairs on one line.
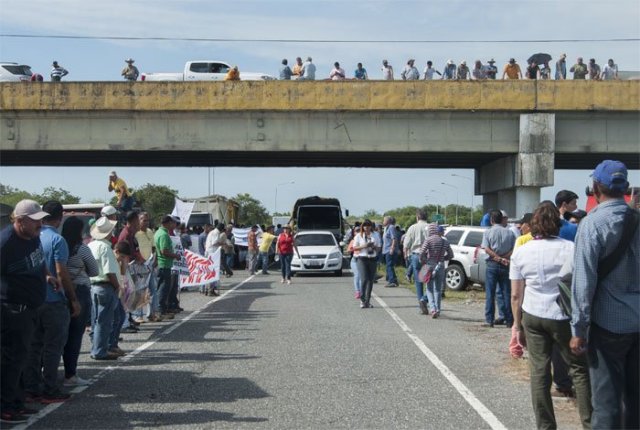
[[204, 70], [14, 72], [316, 252], [468, 262]]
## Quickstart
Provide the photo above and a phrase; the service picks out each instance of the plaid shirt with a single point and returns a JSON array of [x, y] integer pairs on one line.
[[613, 303]]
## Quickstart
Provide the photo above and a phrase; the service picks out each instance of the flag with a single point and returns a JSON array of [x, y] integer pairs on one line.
[[202, 270]]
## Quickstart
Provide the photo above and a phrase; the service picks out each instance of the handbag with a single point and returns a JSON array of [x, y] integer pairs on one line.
[[605, 266]]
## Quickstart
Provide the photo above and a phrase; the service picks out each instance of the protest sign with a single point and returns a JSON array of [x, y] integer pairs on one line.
[[202, 270], [179, 264]]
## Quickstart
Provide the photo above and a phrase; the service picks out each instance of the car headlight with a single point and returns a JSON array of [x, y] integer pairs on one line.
[[335, 255]]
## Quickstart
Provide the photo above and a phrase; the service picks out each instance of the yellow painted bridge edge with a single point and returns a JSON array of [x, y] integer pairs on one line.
[[324, 96]]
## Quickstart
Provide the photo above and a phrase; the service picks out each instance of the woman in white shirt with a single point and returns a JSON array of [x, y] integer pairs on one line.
[[540, 323], [367, 245]]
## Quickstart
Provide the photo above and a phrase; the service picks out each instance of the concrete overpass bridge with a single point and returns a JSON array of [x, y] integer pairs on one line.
[[512, 133]]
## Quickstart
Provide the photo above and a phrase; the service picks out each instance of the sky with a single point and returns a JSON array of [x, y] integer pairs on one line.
[[395, 30]]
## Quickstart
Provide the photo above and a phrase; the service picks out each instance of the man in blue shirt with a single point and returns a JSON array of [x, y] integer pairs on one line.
[[567, 201], [390, 250], [606, 312], [24, 276], [52, 317]]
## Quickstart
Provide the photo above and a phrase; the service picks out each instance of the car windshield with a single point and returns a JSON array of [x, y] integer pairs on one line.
[[18, 69], [315, 240]]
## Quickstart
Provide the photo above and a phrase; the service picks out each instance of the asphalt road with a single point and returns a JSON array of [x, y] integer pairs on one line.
[[268, 355]]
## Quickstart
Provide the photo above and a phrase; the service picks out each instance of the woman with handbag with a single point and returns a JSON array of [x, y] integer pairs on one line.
[[535, 271], [367, 245], [433, 253]]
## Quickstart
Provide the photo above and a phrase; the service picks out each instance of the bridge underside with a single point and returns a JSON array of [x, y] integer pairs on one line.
[[181, 158]]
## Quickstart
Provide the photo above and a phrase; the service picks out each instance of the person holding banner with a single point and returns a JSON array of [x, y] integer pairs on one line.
[[284, 248]]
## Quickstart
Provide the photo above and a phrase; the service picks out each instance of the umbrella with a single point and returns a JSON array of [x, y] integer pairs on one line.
[[539, 58]]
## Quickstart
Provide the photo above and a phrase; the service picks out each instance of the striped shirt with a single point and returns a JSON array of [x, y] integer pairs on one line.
[[614, 303], [435, 249], [82, 265]]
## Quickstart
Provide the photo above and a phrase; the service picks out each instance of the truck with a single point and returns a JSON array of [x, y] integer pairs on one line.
[[219, 207], [319, 213], [204, 70]]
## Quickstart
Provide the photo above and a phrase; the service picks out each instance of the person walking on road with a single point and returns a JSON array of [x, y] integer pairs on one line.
[[284, 248], [605, 308], [416, 235], [541, 325], [390, 249], [435, 250], [368, 246]]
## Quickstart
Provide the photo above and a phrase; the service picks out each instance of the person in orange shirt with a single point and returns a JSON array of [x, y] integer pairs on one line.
[[512, 70], [233, 74], [297, 69]]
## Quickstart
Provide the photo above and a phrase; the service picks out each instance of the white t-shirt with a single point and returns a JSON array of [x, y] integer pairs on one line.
[[539, 263], [361, 240], [429, 72], [211, 243]]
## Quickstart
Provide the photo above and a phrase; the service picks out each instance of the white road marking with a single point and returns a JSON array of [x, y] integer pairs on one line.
[[53, 406], [476, 404]]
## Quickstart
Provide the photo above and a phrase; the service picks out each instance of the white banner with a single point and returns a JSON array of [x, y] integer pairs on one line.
[[240, 235], [179, 264], [183, 210], [202, 270]]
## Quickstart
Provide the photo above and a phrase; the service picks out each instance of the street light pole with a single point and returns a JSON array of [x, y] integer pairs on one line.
[[457, 201], [275, 200], [472, 193]]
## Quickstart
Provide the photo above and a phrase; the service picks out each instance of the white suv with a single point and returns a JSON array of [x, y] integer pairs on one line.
[[14, 72], [468, 262]]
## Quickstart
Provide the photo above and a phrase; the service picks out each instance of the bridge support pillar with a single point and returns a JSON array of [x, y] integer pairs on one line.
[[513, 183]]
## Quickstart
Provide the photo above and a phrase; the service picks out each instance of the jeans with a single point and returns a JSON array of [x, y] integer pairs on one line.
[[252, 261], [367, 269], [104, 301], [127, 204], [409, 265], [285, 265], [229, 259], [47, 344], [119, 319], [264, 259], [434, 289], [77, 327], [15, 338], [356, 275], [390, 260], [174, 301], [542, 335], [415, 263], [497, 277], [164, 288], [615, 380], [226, 263]]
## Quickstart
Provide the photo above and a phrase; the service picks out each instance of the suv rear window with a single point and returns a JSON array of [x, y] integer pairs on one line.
[[453, 236], [18, 70], [474, 238]]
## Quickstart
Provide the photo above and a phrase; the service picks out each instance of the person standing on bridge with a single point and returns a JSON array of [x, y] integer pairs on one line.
[[605, 308], [561, 68], [119, 186], [130, 72], [387, 71], [285, 71], [58, 72], [579, 69], [338, 73], [541, 325], [512, 70], [233, 74], [410, 72], [297, 69], [360, 73], [308, 70]]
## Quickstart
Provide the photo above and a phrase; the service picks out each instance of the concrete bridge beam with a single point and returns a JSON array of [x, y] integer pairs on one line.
[[513, 183]]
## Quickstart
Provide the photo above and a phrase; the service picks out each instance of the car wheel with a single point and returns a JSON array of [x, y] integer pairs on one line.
[[455, 278], [338, 272]]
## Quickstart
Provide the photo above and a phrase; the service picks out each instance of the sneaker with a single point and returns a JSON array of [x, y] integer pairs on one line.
[[55, 397], [362, 305], [266, 273], [13, 417], [139, 320], [563, 393], [282, 281], [75, 381], [130, 330], [423, 307], [155, 318], [499, 321], [108, 357], [369, 305], [167, 316], [358, 295], [133, 323], [117, 351], [435, 314], [487, 325], [288, 281]]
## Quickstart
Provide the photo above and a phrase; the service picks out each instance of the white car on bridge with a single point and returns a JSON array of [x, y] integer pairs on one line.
[[316, 251], [204, 70]]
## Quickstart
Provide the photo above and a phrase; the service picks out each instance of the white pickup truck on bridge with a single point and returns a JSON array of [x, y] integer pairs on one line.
[[204, 70]]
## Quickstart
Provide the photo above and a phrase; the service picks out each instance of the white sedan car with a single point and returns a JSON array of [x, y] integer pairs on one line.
[[316, 252]]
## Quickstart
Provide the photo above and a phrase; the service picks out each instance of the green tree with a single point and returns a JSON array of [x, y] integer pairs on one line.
[[61, 195], [158, 200], [11, 196], [372, 215], [251, 210]]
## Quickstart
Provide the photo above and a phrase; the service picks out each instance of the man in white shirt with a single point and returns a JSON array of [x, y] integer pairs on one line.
[[416, 234], [337, 74], [387, 71]]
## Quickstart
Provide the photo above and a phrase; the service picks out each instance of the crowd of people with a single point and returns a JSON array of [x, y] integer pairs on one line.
[[537, 68], [56, 287]]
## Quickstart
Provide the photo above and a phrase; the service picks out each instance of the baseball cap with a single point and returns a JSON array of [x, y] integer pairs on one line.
[[29, 208], [612, 174], [108, 211]]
